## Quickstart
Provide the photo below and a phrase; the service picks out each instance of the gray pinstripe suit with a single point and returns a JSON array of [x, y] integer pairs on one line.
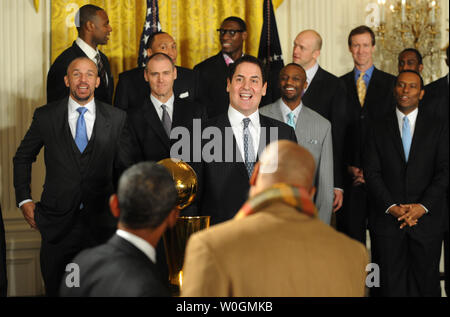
[[314, 133]]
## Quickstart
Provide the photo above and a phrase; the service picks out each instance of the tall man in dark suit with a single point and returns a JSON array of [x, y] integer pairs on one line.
[[213, 72], [324, 94], [93, 29], [125, 265], [237, 137], [132, 87], [3, 277], [406, 168], [85, 142], [369, 96]]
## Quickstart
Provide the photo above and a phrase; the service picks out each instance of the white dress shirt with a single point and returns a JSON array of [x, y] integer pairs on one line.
[[285, 110], [157, 104], [139, 243], [237, 125], [310, 73]]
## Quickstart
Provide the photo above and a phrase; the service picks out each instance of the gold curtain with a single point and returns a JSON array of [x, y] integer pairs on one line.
[[192, 23]]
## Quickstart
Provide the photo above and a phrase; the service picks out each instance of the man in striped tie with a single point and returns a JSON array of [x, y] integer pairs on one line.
[[406, 167], [86, 145]]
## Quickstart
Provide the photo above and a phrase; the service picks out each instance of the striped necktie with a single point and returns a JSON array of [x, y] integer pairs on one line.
[[249, 155]]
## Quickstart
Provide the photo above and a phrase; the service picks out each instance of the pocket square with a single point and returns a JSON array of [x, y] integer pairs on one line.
[[184, 95]]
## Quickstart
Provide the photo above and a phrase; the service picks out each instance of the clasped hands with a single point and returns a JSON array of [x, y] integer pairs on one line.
[[357, 175], [408, 213]]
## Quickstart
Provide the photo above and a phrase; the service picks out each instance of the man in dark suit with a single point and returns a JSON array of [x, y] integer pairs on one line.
[[369, 96], [325, 94], [237, 137], [3, 277], [410, 59], [406, 167], [213, 72], [132, 87], [125, 265], [86, 142], [93, 29]]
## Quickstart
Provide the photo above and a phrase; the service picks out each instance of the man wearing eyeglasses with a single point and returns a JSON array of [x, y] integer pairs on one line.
[[214, 70]]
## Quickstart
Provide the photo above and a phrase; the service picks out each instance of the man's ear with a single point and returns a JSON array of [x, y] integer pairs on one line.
[[228, 84], [114, 205], [312, 192], [66, 81], [173, 217]]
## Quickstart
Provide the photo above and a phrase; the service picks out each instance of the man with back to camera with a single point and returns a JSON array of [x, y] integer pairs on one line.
[[275, 245], [132, 88], [93, 29], [87, 145], [312, 131], [125, 265], [369, 96]]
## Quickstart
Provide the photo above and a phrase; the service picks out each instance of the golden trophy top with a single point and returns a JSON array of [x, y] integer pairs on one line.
[[185, 180]]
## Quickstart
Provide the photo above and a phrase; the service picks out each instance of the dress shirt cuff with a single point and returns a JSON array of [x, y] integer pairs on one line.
[[426, 210], [387, 210], [23, 202], [337, 188]]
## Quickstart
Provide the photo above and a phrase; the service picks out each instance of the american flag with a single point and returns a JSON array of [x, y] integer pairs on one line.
[[151, 25]]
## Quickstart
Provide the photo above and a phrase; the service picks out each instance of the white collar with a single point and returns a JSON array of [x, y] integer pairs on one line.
[[236, 117], [285, 110], [139, 243], [87, 49], [73, 105], [310, 73]]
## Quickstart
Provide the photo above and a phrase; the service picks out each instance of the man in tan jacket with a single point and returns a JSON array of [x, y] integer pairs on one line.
[[275, 245]]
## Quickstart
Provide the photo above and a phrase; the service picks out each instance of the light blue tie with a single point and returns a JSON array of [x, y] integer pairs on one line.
[[291, 121], [249, 155], [81, 138], [406, 137]]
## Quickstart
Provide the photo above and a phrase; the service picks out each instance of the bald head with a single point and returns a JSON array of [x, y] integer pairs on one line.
[[284, 162], [307, 46]]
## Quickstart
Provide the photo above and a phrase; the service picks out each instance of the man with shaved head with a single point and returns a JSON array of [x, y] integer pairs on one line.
[[86, 143], [275, 245], [324, 94]]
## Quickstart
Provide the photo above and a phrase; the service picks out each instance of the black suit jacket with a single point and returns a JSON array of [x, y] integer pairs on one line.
[[66, 187], [213, 74], [153, 143], [423, 179], [435, 101], [378, 102], [326, 95], [3, 279], [132, 89], [116, 269], [224, 184], [56, 89]]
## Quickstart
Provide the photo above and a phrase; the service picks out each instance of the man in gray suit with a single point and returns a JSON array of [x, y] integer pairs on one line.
[[312, 130]]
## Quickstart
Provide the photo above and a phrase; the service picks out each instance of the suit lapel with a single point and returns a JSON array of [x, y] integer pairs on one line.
[[102, 127], [180, 113], [418, 136], [62, 133], [395, 133], [154, 122]]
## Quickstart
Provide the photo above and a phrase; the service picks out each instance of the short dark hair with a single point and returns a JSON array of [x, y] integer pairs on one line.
[[414, 72], [146, 195], [159, 56], [241, 22], [247, 59], [84, 14], [413, 50], [361, 30], [151, 39]]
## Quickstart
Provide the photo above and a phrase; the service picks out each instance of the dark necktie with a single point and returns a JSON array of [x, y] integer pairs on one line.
[[249, 155], [101, 69], [167, 123]]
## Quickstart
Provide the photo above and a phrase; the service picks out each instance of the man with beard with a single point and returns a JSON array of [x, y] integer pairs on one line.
[[93, 29], [312, 130], [86, 144]]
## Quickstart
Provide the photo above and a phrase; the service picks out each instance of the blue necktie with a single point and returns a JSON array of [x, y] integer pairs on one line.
[[249, 155], [81, 138], [291, 121], [406, 137]]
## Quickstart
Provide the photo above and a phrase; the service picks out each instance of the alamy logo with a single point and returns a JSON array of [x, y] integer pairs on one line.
[[73, 276], [373, 275]]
